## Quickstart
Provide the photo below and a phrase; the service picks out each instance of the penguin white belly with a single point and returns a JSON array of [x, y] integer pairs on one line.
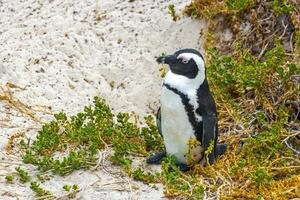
[[176, 128]]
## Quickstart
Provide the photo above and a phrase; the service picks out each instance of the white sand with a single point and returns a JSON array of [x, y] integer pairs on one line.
[[63, 55]]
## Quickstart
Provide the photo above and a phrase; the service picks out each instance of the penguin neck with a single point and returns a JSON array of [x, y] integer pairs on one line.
[[182, 83]]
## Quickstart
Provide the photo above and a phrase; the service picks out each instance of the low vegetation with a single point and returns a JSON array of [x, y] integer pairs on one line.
[[39, 191], [80, 137], [23, 175], [255, 80]]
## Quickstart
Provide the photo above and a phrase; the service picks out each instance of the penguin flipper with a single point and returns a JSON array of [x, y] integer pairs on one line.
[[158, 121], [209, 134], [156, 158]]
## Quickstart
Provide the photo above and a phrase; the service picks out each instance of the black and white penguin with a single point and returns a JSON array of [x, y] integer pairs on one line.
[[187, 117]]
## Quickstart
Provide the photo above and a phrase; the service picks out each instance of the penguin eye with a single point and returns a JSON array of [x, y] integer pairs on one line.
[[185, 61]]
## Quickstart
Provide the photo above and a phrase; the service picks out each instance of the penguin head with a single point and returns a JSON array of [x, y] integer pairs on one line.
[[185, 62]]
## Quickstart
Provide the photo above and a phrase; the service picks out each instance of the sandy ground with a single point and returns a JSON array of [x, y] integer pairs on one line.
[[58, 54]]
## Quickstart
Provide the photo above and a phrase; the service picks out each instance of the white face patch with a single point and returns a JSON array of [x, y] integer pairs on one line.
[[183, 58]]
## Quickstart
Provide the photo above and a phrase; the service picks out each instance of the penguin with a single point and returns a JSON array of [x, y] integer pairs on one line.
[[187, 117]]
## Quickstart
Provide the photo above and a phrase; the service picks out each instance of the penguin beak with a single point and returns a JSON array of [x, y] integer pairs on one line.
[[166, 59]]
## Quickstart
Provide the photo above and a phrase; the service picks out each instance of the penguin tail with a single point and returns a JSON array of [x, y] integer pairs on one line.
[[221, 149]]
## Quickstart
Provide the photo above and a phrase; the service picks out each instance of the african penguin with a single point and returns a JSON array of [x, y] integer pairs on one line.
[[187, 117]]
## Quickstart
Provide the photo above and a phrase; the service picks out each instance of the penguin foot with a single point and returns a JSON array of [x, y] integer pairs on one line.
[[156, 158], [181, 167], [221, 149]]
